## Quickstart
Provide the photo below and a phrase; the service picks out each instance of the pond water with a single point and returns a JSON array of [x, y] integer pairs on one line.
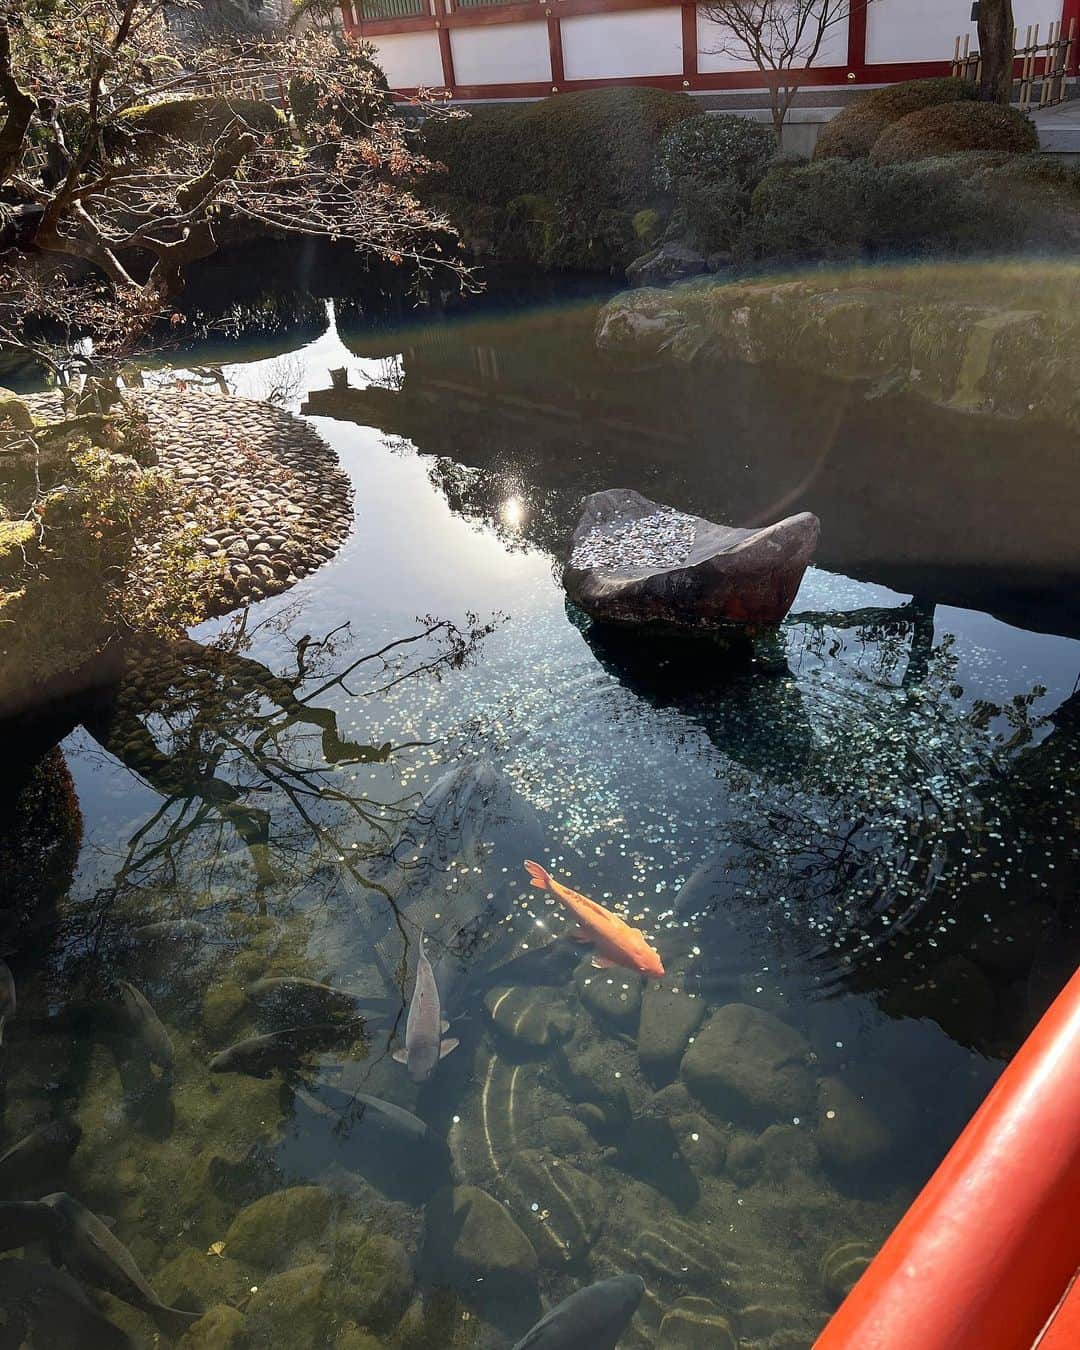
[[852, 847]]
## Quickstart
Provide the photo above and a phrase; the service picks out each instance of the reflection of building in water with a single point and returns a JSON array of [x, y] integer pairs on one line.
[[525, 406]]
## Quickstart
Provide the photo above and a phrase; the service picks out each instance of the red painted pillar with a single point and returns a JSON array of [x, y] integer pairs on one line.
[[1070, 13], [446, 52], [555, 52], [856, 40], [348, 18], [689, 43]]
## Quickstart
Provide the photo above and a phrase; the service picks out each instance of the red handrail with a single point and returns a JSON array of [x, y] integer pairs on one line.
[[983, 1257]]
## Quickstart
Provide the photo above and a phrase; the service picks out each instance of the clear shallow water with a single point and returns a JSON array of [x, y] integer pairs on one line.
[[864, 833]]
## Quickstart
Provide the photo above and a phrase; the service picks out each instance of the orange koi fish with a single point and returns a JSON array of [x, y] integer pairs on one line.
[[617, 944]]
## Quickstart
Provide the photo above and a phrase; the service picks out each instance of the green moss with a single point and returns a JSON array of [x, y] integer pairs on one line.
[[222, 1328], [589, 157], [14, 414], [223, 1005], [287, 1310], [199, 120], [15, 535], [952, 127], [265, 1232], [379, 1282], [851, 133]]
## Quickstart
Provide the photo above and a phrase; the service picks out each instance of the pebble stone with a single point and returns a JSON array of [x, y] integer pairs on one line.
[[265, 490], [663, 539]]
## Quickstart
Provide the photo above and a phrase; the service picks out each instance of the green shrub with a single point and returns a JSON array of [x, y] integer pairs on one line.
[[591, 155], [710, 166], [315, 107], [200, 121], [852, 132], [834, 209], [952, 127]]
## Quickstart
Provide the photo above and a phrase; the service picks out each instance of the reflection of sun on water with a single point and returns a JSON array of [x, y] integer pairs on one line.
[[512, 512]]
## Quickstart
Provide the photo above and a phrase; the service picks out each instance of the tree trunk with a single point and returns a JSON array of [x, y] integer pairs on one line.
[[996, 48]]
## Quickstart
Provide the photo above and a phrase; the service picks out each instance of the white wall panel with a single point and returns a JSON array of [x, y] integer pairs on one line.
[[410, 60], [640, 42], [712, 37], [504, 53], [925, 30]]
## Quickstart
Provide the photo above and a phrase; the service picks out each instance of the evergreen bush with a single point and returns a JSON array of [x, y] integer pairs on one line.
[[852, 132], [952, 127]]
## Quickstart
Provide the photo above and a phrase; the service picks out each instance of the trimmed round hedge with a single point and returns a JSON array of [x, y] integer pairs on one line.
[[853, 132], [589, 155], [712, 146], [953, 127]]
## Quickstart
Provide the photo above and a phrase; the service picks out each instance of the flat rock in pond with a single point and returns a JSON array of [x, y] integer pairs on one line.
[[745, 1064], [634, 561], [612, 996], [267, 1230], [696, 1324], [534, 1018], [852, 1140]]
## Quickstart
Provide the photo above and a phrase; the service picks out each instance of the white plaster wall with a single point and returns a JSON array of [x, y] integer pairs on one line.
[[504, 53], [925, 30], [711, 37], [640, 42], [410, 60]]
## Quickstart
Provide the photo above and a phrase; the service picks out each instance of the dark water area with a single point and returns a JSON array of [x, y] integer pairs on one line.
[[853, 845]]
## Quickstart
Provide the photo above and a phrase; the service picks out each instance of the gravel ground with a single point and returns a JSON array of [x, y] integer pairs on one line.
[[266, 489], [663, 539]]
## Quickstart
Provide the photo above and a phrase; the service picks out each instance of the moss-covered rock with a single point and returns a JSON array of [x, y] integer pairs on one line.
[[266, 1231], [534, 1019], [287, 1309], [474, 1245], [379, 1282], [852, 1140], [199, 120], [746, 1064], [353, 1337], [952, 127], [197, 1279], [853, 131], [220, 1328], [14, 414], [224, 1004], [841, 1267]]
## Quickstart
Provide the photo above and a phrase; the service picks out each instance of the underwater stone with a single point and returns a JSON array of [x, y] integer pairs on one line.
[[559, 1207], [352, 1337], [668, 1020], [788, 1150], [267, 1230], [287, 1308], [529, 1016], [194, 1279], [852, 1140], [379, 1282], [595, 1079], [223, 1005], [472, 1242], [842, 1266], [564, 1136], [730, 576], [746, 1064], [704, 1147], [220, 1328], [955, 994], [696, 1324], [612, 996]]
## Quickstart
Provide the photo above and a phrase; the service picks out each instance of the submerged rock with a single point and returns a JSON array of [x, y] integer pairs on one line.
[[531, 1018], [634, 561], [379, 1282], [266, 1231], [696, 1324], [286, 1309], [612, 996], [669, 1017], [842, 1266], [471, 1240], [852, 1140], [221, 1328], [560, 1207], [746, 1064]]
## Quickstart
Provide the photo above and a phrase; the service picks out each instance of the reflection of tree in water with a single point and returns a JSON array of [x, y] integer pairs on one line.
[[236, 750], [912, 819]]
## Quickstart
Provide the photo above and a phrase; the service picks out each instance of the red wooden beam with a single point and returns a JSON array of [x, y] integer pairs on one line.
[[985, 1255], [555, 52], [689, 41], [856, 39], [446, 52]]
